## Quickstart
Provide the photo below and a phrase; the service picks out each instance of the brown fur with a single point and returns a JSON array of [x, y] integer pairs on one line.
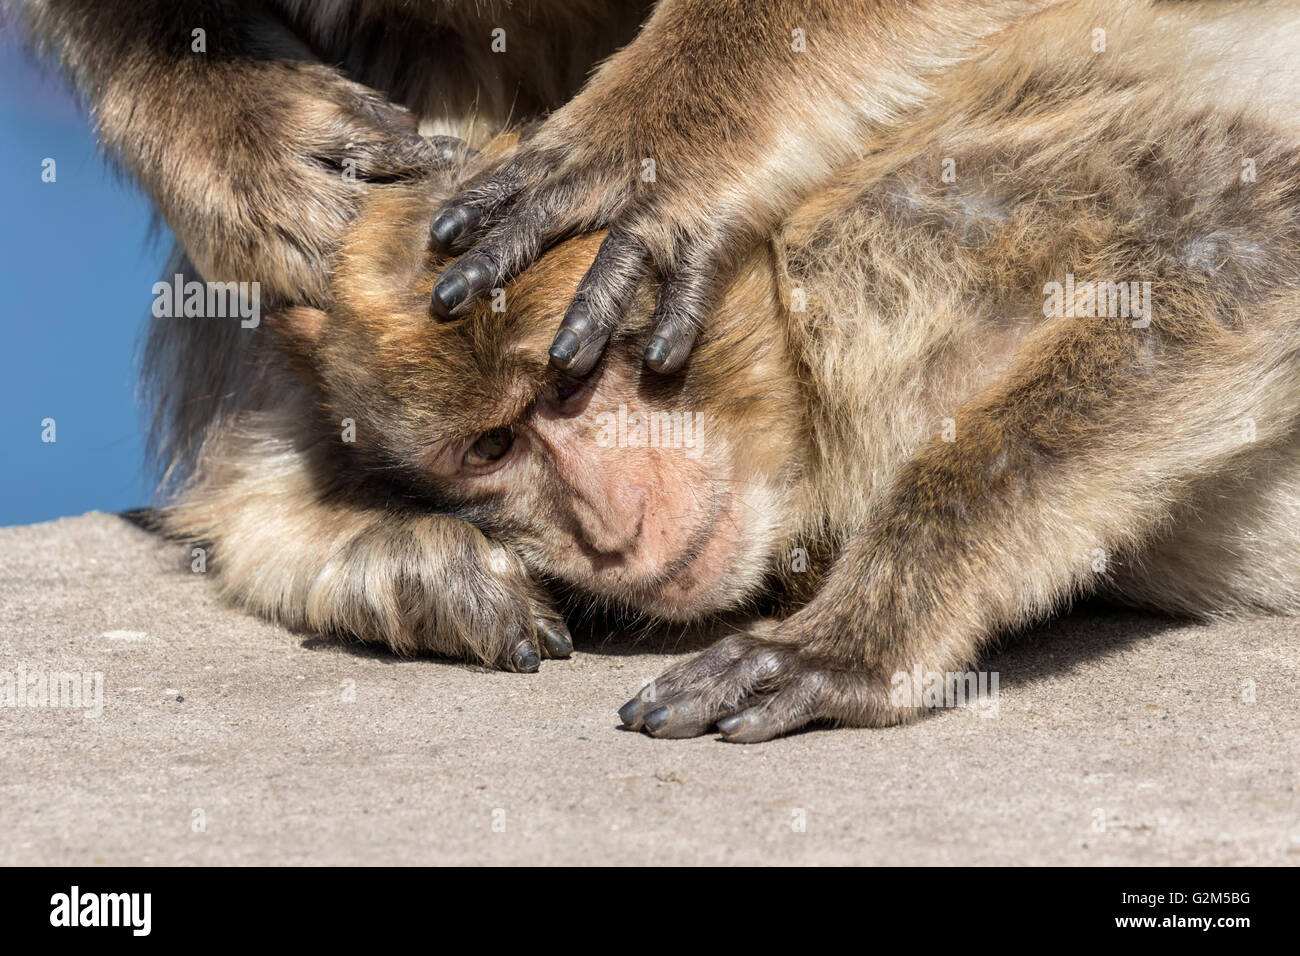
[[923, 304], [241, 148], [1072, 435]]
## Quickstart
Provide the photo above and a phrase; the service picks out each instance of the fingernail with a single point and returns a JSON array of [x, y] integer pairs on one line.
[[564, 348], [525, 658], [657, 717], [656, 353], [478, 272], [447, 226], [578, 319], [729, 725], [627, 713], [555, 636], [450, 291]]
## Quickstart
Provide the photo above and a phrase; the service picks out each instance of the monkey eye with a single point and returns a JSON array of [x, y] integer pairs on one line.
[[490, 447]]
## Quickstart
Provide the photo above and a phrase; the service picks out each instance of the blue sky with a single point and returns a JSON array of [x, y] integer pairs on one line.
[[78, 265]]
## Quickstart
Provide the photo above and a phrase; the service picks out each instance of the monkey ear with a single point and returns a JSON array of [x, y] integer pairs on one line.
[[297, 331]]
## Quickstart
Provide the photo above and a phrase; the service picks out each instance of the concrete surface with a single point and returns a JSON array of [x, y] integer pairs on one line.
[[1118, 739]]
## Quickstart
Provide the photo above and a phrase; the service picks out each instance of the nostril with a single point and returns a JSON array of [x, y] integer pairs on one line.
[[608, 518]]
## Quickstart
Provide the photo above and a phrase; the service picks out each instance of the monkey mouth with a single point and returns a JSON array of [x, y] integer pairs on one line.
[[692, 580], [694, 547]]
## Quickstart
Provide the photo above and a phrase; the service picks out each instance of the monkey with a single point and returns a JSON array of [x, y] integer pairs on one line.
[[259, 127], [896, 379]]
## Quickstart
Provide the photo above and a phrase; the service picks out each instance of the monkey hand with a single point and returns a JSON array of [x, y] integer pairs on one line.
[[425, 584], [264, 184], [460, 595], [420, 584], [684, 167], [417, 582], [753, 688]]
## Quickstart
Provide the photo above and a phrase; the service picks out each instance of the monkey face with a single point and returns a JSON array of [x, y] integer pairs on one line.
[[624, 492], [665, 493]]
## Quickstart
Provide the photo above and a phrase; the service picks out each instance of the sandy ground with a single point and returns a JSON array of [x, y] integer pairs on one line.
[[1117, 738]]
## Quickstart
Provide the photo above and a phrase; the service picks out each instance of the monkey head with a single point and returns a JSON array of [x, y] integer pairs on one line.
[[668, 494]]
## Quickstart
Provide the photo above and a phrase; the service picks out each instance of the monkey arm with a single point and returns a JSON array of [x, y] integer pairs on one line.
[[692, 143], [1080, 450], [294, 545], [252, 150]]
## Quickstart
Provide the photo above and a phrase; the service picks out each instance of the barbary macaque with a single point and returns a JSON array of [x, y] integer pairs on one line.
[[258, 127], [861, 210], [1040, 340]]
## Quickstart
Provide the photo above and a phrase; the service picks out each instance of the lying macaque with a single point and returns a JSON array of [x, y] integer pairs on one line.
[[687, 128], [1041, 341]]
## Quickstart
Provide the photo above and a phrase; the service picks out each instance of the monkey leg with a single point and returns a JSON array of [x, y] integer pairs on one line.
[[288, 546], [1233, 548], [1073, 460]]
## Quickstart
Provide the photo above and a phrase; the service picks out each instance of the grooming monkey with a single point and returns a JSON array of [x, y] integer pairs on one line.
[[894, 381], [258, 128]]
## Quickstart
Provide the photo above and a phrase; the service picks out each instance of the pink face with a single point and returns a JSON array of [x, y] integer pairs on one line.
[[627, 497]]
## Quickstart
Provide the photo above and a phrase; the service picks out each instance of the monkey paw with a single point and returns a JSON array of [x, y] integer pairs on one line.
[[355, 130], [513, 632], [278, 194], [753, 689], [501, 618], [436, 585], [557, 185]]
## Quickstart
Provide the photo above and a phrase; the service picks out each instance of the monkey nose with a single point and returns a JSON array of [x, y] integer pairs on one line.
[[613, 539], [613, 525]]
